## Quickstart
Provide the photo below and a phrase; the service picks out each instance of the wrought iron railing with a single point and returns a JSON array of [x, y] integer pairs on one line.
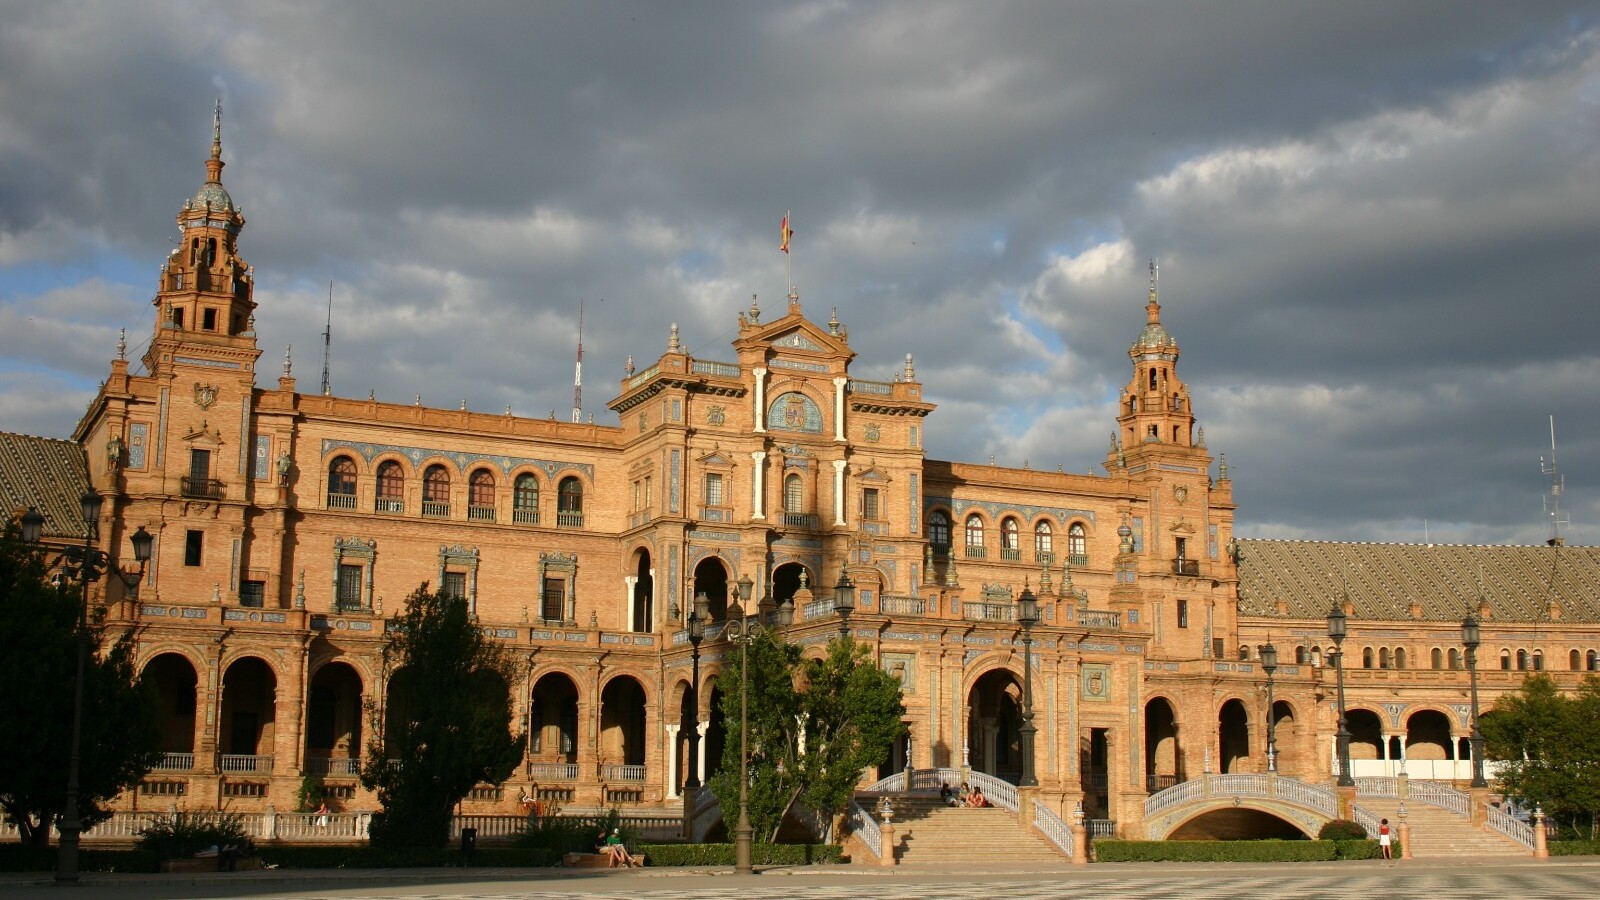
[[205, 488], [1190, 567]]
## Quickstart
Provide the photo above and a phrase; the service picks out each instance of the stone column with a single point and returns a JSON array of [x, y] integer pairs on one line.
[[838, 407], [628, 583], [1541, 841], [838, 491], [758, 484], [674, 760], [700, 748], [760, 402]]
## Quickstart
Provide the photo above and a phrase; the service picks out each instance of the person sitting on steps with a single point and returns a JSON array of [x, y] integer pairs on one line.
[[617, 851]]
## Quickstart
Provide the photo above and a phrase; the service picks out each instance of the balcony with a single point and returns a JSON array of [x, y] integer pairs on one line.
[[175, 762], [1099, 618], [244, 763], [1044, 557], [904, 606], [525, 516], [977, 551], [547, 771], [624, 773], [436, 509], [1078, 559], [204, 488], [799, 520], [569, 519], [480, 513], [1189, 567], [989, 612], [324, 766], [1010, 554], [389, 505], [340, 501]]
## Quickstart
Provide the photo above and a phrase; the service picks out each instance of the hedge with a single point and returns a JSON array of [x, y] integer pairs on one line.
[[367, 857], [723, 855], [1574, 848], [23, 858], [1234, 851]]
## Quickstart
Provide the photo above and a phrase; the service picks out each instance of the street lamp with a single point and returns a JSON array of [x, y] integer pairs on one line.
[[1269, 664], [90, 564], [743, 629], [844, 602], [1027, 617], [1470, 638], [1338, 623], [697, 633]]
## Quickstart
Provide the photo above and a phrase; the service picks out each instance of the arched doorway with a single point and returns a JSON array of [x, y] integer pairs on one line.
[[247, 725], [622, 725], [1233, 737], [1284, 730], [994, 717], [333, 721], [1366, 734], [553, 721], [1163, 761], [174, 679], [716, 731], [644, 610], [1428, 736], [786, 580], [711, 579]]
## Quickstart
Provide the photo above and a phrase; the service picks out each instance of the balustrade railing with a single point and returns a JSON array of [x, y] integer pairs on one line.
[[1010, 554], [1099, 618], [1510, 826], [904, 606], [624, 773], [569, 519], [480, 513], [547, 771], [988, 612], [525, 516], [1053, 827], [175, 762], [341, 501], [389, 505], [1000, 793], [436, 509], [241, 762], [324, 765], [977, 551], [863, 826], [1100, 828]]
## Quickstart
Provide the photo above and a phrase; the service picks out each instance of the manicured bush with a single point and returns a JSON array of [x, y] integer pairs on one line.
[[20, 858], [1575, 848], [723, 854], [1341, 830], [1214, 851], [180, 835], [1363, 849]]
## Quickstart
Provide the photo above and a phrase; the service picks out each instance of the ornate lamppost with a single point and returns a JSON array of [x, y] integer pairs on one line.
[[1338, 622], [844, 602], [1027, 617], [1470, 638], [744, 629], [89, 564], [1269, 664], [691, 781]]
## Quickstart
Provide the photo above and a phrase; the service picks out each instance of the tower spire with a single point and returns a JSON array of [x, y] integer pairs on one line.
[[1152, 309], [214, 163], [577, 377]]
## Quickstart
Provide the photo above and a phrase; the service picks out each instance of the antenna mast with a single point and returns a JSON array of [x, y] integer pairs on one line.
[[1552, 503], [327, 344], [577, 378]]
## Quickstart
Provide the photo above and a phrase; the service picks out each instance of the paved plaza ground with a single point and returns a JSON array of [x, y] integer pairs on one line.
[[1190, 881]]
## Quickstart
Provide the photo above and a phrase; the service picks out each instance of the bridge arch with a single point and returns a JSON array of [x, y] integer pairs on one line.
[[1239, 806]]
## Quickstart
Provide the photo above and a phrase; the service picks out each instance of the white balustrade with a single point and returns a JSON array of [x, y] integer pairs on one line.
[[865, 827], [1053, 827]]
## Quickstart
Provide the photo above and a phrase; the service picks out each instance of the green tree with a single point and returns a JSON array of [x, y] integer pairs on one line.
[[446, 726], [120, 738], [1548, 748], [815, 725]]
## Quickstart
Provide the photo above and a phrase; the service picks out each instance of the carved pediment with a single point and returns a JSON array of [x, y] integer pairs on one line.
[[715, 459], [205, 435]]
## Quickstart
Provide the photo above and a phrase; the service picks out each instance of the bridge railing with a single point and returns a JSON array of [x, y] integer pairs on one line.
[[1291, 790], [1365, 818]]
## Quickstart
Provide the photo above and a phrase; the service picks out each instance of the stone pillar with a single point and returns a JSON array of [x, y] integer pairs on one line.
[[1080, 837], [758, 484], [886, 839], [838, 407], [700, 748], [838, 491], [628, 582], [1404, 830], [760, 402], [674, 760], [1541, 841]]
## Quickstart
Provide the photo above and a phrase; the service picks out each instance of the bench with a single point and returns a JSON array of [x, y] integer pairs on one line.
[[594, 860]]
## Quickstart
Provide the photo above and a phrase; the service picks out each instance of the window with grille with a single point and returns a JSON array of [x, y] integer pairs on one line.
[[974, 531], [571, 496], [1010, 535], [555, 595], [342, 476], [436, 485], [454, 586], [391, 481], [1042, 540], [349, 590], [1183, 614], [252, 593], [869, 504], [200, 466], [1077, 546], [939, 530], [526, 493], [793, 496], [713, 489], [481, 490]]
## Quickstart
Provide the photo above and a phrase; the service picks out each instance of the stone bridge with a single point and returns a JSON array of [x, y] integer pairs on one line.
[[1236, 806]]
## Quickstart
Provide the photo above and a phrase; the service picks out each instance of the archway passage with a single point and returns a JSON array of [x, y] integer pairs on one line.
[[1284, 734], [1238, 823], [786, 580], [1366, 734], [644, 612], [1428, 736], [716, 730], [1233, 736], [333, 721], [711, 579], [622, 722], [247, 725], [553, 720], [1163, 761], [994, 739], [175, 680]]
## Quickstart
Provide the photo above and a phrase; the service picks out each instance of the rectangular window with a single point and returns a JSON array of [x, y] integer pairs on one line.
[[649, 498], [869, 504], [713, 489], [208, 319], [1183, 614], [349, 596], [454, 586], [199, 466], [252, 593], [193, 541], [638, 496], [555, 597], [177, 318], [1217, 648]]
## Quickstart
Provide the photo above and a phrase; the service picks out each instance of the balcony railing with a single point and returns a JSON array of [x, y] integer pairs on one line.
[[389, 505], [1010, 554], [207, 488], [1045, 557], [1155, 783], [324, 765], [624, 773], [338, 501], [480, 513], [1099, 618], [1077, 559], [1190, 567], [976, 551], [436, 509], [989, 612], [904, 606], [545, 771], [569, 519], [243, 762], [175, 762], [525, 516], [799, 520]]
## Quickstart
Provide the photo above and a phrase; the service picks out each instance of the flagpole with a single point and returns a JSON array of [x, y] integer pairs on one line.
[[788, 256]]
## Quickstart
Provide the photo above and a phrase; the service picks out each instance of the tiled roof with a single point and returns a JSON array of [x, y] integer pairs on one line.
[[47, 474], [1446, 580]]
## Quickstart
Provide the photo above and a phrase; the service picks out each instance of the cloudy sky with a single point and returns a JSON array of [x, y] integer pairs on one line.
[[1378, 224]]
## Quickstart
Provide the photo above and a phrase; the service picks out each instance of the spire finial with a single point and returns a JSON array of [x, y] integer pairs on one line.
[[122, 343], [214, 164], [1153, 308], [288, 360], [911, 368], [755, 311], [833, 322], [672, 340]]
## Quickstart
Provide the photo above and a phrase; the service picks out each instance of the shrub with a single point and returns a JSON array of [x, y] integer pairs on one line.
[[22, 858], [1341, 830], [1214, 851], [576, 834], [723, 854], [1574, 848], [181, 835]]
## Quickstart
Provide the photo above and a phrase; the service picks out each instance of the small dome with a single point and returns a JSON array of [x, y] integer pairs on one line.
[[212, 195], [1154, 335]]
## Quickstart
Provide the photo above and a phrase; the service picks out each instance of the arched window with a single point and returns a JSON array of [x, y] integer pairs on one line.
[[1077, 545], [1042, 543], [1593, 661], [1366, 658], [569, 502], [1010, 539], [974, 535], [1383, 658], [1436, 657], [525, 500], [1505, 660], [436, 491], [1300, 655], [939, 530], [1522, 660], [1455, 658], [1538, 660], [480, 496], [1399, 657], [1574, 661], [391, 487], [342, 483], [793, 494]]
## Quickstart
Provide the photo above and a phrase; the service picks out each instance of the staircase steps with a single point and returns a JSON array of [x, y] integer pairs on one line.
[[929, 833], [1440, 834]]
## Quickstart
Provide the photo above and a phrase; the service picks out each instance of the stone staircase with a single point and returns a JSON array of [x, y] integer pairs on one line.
[[1441, 834], [928, 833]]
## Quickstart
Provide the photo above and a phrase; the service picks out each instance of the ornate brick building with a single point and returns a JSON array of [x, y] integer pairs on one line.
[[288, 525]]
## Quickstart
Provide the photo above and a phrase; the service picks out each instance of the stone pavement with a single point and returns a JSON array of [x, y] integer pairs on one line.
[[1562, 878]]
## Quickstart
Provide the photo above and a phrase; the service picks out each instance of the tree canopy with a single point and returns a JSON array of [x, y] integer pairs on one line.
[[446, 725], [120, 738], [1548, 747], [815, 725]]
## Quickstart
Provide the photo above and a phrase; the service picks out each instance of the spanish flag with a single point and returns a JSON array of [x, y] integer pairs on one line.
[[785, 234]]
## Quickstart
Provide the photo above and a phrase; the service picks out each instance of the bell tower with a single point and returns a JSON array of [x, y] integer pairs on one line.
[[1154, 408], [206, 289]]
